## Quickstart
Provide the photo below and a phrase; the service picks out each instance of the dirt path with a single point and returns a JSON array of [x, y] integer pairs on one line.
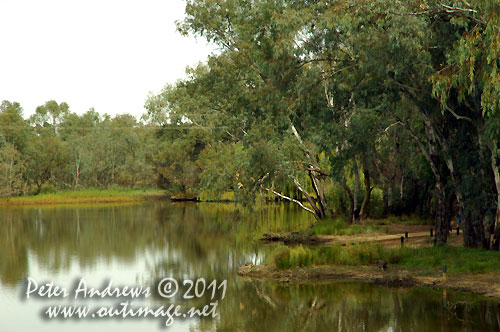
[[418, 236], [371, 237]]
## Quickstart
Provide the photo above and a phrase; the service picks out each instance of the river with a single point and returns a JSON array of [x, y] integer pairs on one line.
[[137, 245]]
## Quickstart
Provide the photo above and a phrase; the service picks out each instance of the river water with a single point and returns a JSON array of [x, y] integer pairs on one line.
[[138, 245]]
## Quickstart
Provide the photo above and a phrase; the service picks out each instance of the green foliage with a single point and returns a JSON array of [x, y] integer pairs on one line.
[[48, 117], [13, 128], [12, 168], [45, 157]]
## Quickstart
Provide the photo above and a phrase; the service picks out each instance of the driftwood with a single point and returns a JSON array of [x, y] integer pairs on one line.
[[184, 199], [292, 238]]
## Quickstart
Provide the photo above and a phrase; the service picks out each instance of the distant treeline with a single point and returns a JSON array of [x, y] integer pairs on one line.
[[58, 149]]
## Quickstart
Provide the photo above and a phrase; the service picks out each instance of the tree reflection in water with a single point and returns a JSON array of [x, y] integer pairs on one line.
[[212, 241]]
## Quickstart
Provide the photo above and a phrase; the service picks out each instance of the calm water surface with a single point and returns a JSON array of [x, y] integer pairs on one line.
[[137, 245]]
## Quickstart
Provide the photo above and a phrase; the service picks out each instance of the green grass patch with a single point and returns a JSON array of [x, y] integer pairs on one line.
[[424, 260], [457, 259], [341, 227], [85, 196], [358, 254]]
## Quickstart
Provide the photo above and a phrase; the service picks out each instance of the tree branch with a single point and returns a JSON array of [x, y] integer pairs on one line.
[[458, 117], [291, 200]]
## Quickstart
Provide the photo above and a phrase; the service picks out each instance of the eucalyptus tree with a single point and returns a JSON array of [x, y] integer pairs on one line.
[[13, 128], [468, 87], [48, 116], [11, 170], [45, 158], [15, 135], [129, 147], [397, 47], [280, 99], [259, 99], [393, 50], [76, 132]]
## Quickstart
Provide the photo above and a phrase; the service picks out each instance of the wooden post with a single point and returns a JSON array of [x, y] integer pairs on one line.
[[432, 232], [402, 241], [406, 235]]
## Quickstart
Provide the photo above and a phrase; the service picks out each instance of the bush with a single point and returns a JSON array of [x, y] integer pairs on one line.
[[290, 258], [282, 258], [48, 188]]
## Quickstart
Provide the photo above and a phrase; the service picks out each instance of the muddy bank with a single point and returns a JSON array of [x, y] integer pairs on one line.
[[481, 284]]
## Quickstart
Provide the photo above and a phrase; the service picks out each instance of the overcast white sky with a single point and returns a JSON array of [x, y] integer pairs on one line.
[[106, 54]]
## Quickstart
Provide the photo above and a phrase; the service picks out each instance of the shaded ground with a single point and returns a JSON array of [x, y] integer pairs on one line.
[[388, 235]]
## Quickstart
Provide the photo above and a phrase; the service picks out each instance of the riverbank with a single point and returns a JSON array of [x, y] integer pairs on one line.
[[90, 196], [380, 258], [486, 284]]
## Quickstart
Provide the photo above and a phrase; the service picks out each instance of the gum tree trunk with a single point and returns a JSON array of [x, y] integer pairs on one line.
[[431, 154], [351, 199], [357, 183], [495, 241], [368, 190], [440, 196]]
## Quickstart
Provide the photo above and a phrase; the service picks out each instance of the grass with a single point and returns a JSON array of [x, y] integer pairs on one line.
[[84, 196], [425, 260], [339, 226], [358, 254], [457, 259]]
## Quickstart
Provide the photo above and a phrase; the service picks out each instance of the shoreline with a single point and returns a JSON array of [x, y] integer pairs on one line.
[[486, 284], [77, 197]]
